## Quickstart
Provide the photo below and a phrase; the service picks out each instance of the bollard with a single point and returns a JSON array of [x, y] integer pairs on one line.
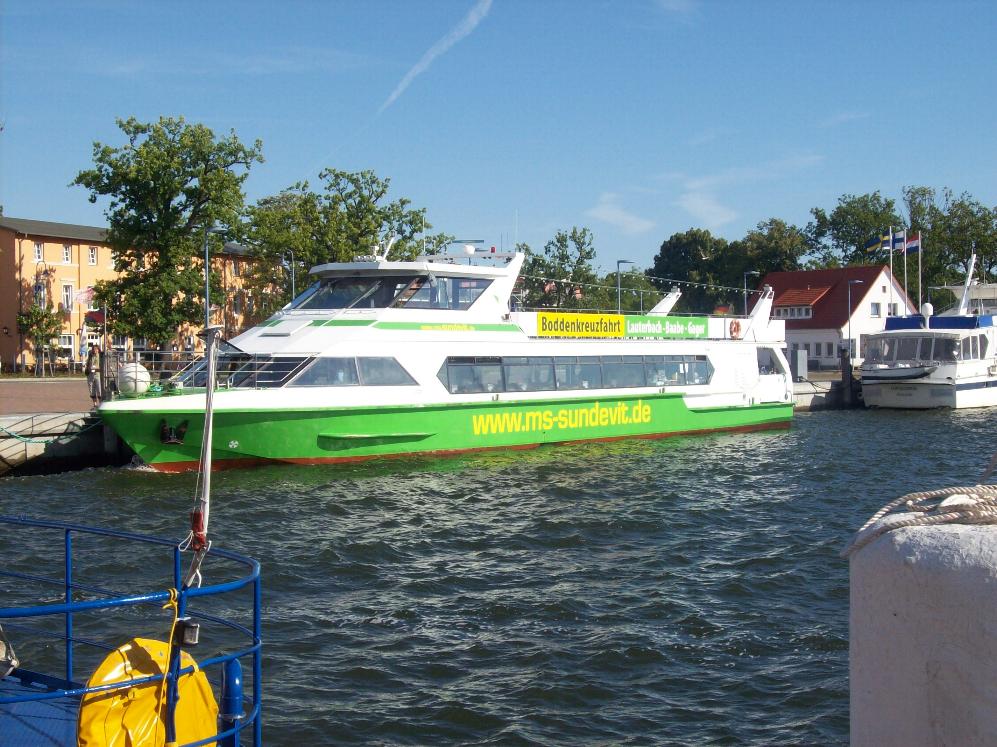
[[231, 705], [922, 638]]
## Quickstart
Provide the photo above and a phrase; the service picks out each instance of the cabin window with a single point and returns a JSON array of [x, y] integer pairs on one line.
[[983, 346], [583, 372], [621, 372], [383, 372], [768, 362], [967, 350], [265, 372], [329, 372], [528, 374], [946, 349], [352, 293], [468, 375], [976, 347], [431, 292], [907, 349]]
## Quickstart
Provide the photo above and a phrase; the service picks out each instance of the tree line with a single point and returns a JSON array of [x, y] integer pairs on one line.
[[172, 185]]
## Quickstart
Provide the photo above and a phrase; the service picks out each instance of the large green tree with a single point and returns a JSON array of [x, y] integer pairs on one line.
[[298, 228], [167, 185], [839, 237], [563, 276], [690, 259]]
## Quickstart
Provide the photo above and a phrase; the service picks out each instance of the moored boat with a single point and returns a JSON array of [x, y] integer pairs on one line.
[[385, 358], [927, 361]]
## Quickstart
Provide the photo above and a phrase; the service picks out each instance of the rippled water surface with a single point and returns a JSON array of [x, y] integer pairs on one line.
[[680, 591]]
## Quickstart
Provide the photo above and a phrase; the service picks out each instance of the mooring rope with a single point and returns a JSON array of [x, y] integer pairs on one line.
[[972, 504], [50, 438]]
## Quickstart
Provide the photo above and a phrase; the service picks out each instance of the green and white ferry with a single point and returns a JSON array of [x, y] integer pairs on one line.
[[387, 358]]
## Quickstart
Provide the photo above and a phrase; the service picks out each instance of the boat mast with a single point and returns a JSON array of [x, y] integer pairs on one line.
[[964, 301]]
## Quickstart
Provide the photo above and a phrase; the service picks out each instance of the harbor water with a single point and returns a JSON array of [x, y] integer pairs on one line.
[[681, 591]]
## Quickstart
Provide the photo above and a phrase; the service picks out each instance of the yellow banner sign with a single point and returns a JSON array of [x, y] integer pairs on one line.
[[554, 324]]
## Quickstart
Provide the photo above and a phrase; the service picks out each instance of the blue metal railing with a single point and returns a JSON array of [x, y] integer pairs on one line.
[[227, 665]]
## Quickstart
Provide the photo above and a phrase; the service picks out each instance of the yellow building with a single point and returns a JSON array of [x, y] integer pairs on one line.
[[42, 262]]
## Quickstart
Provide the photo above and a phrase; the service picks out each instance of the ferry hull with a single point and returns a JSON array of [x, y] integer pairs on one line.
[[929, 394], [316, 436]]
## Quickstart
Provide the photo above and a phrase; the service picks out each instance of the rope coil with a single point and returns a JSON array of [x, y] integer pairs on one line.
[[974, 504]]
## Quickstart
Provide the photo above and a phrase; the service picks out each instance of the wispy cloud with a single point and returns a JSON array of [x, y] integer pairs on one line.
[[112, 63], [706, 209], [475, 16], [844, 118], [609, 210], [700, 199], [759, 173], [678, 6]]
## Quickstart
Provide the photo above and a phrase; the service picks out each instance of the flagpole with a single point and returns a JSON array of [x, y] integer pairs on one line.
[[920, 251], [891, 271], [904, 250]]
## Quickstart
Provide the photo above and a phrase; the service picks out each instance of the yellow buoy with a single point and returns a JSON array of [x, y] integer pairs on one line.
[[134, 716]]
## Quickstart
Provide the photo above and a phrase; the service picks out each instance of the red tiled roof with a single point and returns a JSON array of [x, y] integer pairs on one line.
[[827, 292], [800, 297]]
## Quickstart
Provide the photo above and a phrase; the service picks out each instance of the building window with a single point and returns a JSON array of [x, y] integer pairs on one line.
[[39, 252], [93, 255], [41, 294], [236, 268], [237, 302], [876, 309], [67, 296], [67, 254], [66, 347], [892, 309]]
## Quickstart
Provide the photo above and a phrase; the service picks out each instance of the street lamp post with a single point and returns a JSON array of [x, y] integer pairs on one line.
[[850, 284], [748, 272], [207, 274], [619, 302]]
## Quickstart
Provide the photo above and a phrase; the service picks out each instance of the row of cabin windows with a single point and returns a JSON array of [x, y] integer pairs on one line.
[[537, 374], [923, 348]]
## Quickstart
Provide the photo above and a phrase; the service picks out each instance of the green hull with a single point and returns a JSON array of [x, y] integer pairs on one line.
[[312, 436]]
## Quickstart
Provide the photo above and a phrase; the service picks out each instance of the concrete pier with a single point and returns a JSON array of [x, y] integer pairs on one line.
[[922, 637], [46, 426]]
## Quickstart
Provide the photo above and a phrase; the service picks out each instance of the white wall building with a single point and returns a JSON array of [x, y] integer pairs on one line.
[[821, 308]]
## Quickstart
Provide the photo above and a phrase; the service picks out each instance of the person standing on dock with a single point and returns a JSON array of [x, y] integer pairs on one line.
[[93, 375]]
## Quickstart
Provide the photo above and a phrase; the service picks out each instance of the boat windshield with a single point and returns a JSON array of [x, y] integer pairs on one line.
[[394, 291], [911, 349]]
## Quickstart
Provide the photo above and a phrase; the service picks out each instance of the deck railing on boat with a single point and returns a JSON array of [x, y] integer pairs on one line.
[[85, 609]]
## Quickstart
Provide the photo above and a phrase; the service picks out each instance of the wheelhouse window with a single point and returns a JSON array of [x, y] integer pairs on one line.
[[393, 291], [264, 372], [946, 349]]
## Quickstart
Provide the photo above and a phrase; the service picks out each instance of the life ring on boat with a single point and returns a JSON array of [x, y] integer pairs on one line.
[[735, 329]]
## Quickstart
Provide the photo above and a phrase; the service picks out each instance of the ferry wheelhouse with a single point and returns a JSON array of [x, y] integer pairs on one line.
[[385, 358], [926, 361]]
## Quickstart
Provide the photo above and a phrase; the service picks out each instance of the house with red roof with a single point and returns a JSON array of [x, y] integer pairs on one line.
[[823, 309]]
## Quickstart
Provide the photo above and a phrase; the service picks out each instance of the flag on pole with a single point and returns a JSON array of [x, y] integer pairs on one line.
[[884, 241], [900, 241], [914, 243], [872, 244]]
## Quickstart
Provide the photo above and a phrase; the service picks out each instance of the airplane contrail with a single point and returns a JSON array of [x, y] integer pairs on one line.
[[462, 29]]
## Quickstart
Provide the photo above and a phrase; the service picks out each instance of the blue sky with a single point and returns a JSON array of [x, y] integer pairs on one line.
[[511, 119]]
